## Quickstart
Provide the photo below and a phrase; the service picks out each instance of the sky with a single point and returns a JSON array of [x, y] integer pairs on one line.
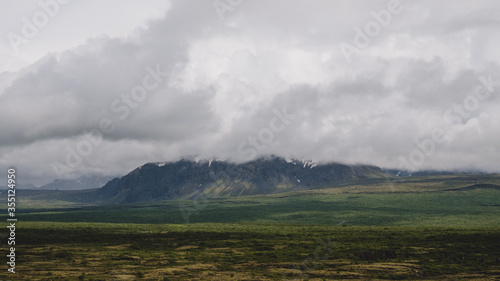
[[102, 87]]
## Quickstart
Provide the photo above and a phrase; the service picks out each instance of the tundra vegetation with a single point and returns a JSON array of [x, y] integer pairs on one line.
[[426, 228]]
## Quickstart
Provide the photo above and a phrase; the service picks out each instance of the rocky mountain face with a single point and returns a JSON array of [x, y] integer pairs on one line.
[[187, 179]]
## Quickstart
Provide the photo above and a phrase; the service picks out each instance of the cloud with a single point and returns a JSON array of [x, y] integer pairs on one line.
[[223, 86]]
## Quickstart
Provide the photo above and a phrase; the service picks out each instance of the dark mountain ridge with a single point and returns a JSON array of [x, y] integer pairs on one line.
[[187, 179]]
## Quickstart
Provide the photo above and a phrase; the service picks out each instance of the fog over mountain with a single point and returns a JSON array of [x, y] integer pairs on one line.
[[411, 85], [190, 179], [83, 182]]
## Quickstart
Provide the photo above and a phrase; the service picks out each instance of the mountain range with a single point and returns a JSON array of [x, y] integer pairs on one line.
[[83, 182], [189, 178], [186, 179]]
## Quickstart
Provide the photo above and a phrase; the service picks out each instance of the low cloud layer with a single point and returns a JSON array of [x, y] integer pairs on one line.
[[241, 79]]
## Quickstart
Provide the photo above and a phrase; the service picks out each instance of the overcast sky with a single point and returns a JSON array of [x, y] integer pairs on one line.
[[101, 87]]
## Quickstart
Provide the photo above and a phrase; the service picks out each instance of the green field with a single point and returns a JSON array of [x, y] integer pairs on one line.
[[438, 201], [432, 228], [95, 251]]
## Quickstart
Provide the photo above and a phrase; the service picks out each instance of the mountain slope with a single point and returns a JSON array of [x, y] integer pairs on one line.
[[187, 179]]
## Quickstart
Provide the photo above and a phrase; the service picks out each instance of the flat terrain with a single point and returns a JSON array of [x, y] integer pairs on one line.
[[426, 228], [454, 201], [88, 251]]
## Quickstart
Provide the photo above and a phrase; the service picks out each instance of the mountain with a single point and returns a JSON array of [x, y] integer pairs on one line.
[[187, 179], [21, 186], [83, 182]]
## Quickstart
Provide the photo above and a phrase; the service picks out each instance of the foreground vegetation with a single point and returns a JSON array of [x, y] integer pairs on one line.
[[430, 228], [95, 251]]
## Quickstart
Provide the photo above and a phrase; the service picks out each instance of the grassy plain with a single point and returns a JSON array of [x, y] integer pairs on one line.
[[432, 228], [96, 251]]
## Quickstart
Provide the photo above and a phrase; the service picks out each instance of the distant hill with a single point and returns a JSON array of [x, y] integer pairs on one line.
[[83, 182], [21, 186], [403, 173], [188, 178]]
